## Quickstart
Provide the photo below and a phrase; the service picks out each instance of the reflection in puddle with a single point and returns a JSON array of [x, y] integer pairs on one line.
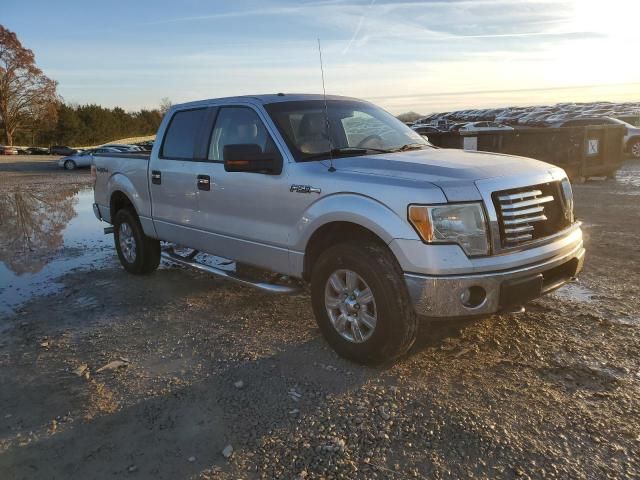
[[46, 235], [574, 292], [629, 176]]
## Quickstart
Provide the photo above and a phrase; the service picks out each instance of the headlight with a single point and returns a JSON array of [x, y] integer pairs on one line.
[[463, 224]]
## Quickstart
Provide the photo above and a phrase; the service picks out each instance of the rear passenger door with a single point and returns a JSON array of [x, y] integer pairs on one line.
[[173, 175]]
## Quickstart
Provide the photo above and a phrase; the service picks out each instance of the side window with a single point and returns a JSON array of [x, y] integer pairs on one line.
[[239, 125], [180, 137]]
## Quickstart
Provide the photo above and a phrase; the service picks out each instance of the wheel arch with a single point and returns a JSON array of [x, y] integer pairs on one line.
[[632, 140], [339, 217], [118, 201], [333, 233], [122, 191]]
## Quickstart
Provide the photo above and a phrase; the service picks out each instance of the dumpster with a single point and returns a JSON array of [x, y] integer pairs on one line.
[[581, 151]]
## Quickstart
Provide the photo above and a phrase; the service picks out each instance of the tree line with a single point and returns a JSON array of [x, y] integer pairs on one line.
[[32, 112], [80, 125]]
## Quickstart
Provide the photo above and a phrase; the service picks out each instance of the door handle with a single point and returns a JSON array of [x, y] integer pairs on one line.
[[204, 182], [156, 177]]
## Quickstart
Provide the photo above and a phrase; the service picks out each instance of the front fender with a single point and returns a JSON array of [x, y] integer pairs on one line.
[[353, 208]]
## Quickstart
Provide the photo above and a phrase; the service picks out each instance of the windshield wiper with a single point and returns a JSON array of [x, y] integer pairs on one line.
[[410, 146], [339, 152]]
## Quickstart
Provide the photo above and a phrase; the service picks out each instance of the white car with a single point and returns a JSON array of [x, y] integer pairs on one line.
[[484, 127], [83, 158]]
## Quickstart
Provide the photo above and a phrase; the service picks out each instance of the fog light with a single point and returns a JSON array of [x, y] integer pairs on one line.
[[473, 297]]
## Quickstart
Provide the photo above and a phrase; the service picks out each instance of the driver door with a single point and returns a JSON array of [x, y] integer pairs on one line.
[[240, 214]]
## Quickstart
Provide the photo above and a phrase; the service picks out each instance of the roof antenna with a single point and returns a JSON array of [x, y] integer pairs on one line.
[[326, 111]]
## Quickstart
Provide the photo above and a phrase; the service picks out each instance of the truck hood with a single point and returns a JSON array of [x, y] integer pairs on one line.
[[453, 171]]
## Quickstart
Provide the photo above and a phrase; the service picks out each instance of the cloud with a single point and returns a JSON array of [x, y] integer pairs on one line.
[[358, 28]]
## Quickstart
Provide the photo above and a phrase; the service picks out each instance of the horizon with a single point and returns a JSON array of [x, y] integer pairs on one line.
[[422, 56]]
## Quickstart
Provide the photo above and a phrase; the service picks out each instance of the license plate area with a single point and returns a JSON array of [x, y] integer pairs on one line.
[[520, 290]]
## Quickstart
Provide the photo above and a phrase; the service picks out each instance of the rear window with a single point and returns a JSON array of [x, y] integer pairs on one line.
[[179, 141]]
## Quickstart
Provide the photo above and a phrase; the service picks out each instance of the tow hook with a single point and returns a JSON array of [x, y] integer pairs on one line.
[[108, 230]]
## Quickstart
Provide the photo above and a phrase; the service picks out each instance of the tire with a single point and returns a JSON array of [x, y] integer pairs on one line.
[[376, 268], [634, 149], [138, 253], [69, 165]]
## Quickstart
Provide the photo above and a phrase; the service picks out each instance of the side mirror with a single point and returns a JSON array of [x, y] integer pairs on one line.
[[248, 157]]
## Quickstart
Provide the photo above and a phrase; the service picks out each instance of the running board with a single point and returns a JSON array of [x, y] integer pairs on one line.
[[188, 261]]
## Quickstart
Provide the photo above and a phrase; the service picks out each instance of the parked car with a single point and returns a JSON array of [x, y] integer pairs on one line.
[[426, 129], [456, 127], [61, 150], [631, 140], [123, 147], [7, 150], [145, 146], [384, 228], [37, 151], [84, 158], [484, 127], [630, 118]]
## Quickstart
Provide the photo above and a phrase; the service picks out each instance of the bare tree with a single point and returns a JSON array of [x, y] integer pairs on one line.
[[26, 94], [165, 105]]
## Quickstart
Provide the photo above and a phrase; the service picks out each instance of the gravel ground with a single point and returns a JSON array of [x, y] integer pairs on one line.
[[206, 379]]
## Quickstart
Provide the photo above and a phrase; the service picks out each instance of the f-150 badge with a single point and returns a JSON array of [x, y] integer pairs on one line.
[[304, 189]]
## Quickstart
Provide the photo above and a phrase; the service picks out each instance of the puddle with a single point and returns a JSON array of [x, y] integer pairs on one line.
[[574, 292], [629, 176], [45, 235], [48, 234]]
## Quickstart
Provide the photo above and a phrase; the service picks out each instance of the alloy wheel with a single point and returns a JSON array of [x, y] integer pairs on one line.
[[350, 305], [127, 242]]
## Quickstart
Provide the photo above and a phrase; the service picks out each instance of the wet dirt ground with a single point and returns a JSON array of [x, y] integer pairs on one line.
[[201, 365]]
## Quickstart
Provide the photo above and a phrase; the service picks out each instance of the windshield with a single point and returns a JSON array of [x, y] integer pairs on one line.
[[355, 128]]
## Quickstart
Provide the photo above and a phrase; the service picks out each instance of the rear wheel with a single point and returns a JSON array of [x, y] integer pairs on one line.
[[361, 302], [69, 165], [138, 253], [634, 149]]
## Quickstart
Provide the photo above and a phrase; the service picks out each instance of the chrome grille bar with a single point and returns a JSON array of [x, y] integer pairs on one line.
[[523, 229], [526, 203], [525, 220], [520, 213], [519, 196], [519, 238]]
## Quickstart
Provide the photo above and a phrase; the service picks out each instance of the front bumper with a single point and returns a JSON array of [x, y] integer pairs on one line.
[[442, 296]]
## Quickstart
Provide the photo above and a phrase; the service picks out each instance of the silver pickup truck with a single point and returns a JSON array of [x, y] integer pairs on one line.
[[338, 193]]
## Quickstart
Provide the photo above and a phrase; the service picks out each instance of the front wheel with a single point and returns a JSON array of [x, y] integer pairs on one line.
[[138, 253], [361, 302], [69, 165]]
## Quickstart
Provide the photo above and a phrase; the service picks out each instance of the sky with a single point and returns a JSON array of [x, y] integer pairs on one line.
[[424, 56]]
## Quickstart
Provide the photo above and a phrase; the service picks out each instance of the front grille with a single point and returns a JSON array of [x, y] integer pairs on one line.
[[530, 213]]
